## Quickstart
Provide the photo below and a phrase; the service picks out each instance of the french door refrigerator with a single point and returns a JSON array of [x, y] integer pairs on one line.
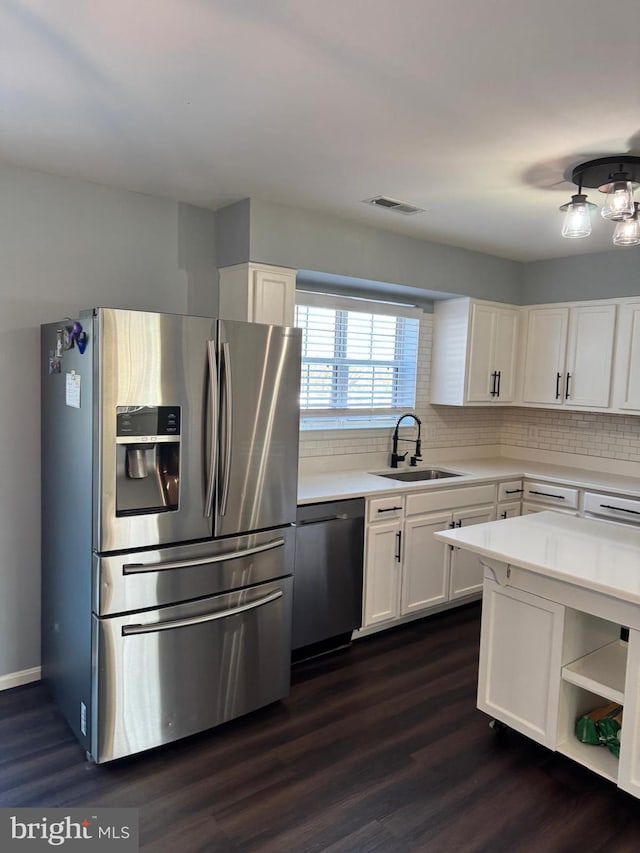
[[169, 475]]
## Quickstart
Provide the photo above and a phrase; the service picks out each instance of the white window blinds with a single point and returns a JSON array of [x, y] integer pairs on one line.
[[358, 356]]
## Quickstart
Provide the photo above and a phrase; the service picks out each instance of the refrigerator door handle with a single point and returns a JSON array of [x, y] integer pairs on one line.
[[213, 419], [196, 620], [228, 417], [137, 568]]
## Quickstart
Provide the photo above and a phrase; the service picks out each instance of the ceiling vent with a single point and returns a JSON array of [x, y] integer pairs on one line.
[[394, 205]]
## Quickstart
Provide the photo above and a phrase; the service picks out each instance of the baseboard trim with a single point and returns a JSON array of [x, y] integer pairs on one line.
[[15, 679]]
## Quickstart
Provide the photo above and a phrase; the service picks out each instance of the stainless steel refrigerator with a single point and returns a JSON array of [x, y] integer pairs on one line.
[[169, 474]]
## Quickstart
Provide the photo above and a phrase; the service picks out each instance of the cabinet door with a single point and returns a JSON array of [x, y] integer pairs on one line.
[[589, 356], [629, 769], [545, 355], [381, 572], [425, 563], [480, 363], [504, 357], [273, 296], [509, 510], [466, 571], [520, 661], [628, 358]]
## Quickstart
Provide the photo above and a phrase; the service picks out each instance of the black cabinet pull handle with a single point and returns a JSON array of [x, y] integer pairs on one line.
[[390, 509], [547, 495], [513, 491], [494, 376], [566, 390], [499, 375], [558, 378], [459, 523], [504, 514], [399, 551], [620, 509]]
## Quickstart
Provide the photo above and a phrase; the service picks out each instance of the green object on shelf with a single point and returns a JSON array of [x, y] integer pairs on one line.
[[601, 727]]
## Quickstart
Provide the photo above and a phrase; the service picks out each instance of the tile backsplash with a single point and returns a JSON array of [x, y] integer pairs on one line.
[[584, 433]]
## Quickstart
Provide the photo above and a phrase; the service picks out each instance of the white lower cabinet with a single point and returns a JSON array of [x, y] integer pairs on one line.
[[425, 573], [466, 572], [406, 571], [382, 572]]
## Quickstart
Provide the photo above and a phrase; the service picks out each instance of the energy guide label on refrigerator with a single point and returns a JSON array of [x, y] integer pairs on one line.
[[72, 390]]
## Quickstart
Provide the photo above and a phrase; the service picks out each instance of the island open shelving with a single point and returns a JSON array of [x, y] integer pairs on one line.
[[561, 597]]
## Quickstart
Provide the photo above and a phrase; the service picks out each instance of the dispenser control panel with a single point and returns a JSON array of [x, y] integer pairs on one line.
[[147, 421]]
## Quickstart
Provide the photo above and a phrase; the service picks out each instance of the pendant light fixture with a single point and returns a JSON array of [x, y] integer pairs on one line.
[[577, 220], [618, 176], [627, 231]]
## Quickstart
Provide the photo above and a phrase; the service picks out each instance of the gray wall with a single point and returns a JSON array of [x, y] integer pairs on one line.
[[286, 236], [601, 275], [68, 245], [197, 258]]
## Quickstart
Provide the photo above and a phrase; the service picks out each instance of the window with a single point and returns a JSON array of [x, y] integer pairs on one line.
[[358, 360]]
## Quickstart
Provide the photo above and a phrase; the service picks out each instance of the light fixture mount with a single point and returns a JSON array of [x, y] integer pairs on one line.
[[601, 172]]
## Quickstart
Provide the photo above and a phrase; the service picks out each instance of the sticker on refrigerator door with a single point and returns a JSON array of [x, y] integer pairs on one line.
[[72, 396]]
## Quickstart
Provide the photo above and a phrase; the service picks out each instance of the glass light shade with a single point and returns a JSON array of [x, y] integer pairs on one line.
[[577, 220], [627, 231], [619, 203]]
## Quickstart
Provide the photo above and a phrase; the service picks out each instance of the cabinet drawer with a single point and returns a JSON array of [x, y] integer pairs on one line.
[[382, 509], [626, 510], [450, 499], [551, 494], [511, 491], [528, 509]]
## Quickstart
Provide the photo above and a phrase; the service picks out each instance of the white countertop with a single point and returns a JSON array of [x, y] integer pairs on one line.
[[335, 485], [593, 554]]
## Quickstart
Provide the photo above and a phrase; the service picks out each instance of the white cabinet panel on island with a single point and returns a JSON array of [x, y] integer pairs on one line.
[[520, 654]]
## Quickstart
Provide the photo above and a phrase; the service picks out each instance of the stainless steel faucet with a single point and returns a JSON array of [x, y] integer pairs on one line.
[[397, 457]]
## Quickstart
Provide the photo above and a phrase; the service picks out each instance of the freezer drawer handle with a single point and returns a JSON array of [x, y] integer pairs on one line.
[[136, 568], [620, 509], [196, 620]]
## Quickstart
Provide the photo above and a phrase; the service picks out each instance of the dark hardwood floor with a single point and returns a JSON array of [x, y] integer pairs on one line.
[[379, 748]]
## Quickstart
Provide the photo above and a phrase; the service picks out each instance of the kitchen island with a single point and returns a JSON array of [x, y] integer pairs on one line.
[[558, 589]]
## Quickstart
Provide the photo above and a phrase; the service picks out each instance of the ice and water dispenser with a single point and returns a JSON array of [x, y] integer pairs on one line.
[[147, 459]]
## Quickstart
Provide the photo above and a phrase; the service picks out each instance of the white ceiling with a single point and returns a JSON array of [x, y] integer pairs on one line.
[[472, 110]]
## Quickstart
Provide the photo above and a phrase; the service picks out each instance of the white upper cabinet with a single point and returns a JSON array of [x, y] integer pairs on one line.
[[569, 355], [627, 369], [258, 294], [474, 352]]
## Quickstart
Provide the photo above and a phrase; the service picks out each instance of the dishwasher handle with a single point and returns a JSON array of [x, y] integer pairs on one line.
[[341, 516]]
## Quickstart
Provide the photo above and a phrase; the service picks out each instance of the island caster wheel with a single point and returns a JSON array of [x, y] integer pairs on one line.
[[498, 726]]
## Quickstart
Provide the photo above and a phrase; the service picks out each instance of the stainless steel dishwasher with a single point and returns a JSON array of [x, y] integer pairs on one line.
[[327, 587]]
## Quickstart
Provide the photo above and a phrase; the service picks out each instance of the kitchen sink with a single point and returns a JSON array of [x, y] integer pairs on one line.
[[420, 474]]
